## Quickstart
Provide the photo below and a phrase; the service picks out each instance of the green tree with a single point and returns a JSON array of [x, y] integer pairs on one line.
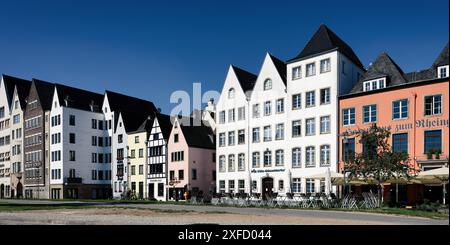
[[377, 163]]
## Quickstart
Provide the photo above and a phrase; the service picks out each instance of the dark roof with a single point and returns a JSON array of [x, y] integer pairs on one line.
[[45, 93], [442, 59], [383, 66], [198, 136], [22, 85], [281, 67], [421, 75], [245, 78], [326, 40], [134, 111], [165, 124], [79, 99]]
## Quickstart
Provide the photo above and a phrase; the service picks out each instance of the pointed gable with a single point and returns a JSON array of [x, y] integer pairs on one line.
[[45, 92], [133, 110], [165, 124], [325, 40], [281, 67], [22, 86], [246, 79], [383, 66]]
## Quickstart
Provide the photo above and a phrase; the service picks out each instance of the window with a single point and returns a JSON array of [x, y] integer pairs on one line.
[[400, 142], [296, 185], [231, 138], [268, 84], [231, 115], [175, 138], [433, 141], [279, 158], [442, 72], [72, 138], [231, 93], [231, 187], [241, 113], [255, 111], [160, 189], [310, 156], [255, 135], [72, 120], [280, 105], [374, 84], [194, 174], [120, 138], [267, 133], [241, 162], [16, 119], [241, 136], [296, 128], [348, 148], [222, 117], [370, 113], [433, 105], [254, 185], [267, 158], [324, 155], [296, 101], [222, 139], [133, 170], [231, 161], [133, 154], [100, 141], [310, 126], [72, 156], [310, 99], [72, 173], [348, 117], [296, 72], [255, 159], [325, 125], [381, 83], [94, 157], [141, 153], [279, 132], [267, 108], [2, 112], [325, 96], [325, 65], [280, 185], [136, 139], [222, 164], [310, 69], [222, 186], [94, 140], [241, 185], [172, 175], [310, 186], [400, 109], [343, 67], [181, 174], [296, 157]]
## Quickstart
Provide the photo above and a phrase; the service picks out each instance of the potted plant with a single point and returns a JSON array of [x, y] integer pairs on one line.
[[430, 154], [437, 154]]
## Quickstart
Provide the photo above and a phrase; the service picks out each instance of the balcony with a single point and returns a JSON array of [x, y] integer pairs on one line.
[[73, 180]]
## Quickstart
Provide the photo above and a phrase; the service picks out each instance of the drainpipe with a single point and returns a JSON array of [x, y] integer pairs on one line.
[[146, 168], [414, 128], [248, 148]]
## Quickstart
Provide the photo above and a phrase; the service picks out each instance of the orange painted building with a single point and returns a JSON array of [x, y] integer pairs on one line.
[[414, 106]]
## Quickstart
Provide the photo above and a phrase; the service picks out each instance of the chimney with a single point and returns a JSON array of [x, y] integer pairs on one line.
[[66, 100]]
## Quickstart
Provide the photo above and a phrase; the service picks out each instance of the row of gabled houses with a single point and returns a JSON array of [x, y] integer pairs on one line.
[[60, 142], [269, 132]]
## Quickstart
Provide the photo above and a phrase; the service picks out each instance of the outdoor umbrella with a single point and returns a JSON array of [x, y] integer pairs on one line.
[[330, 177], [398, 180], [435, 175]]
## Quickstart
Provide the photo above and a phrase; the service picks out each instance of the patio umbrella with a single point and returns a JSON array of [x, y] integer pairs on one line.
[[435, 175], [334, 178]]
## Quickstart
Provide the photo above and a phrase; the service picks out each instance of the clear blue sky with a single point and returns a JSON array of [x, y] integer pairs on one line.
[[149, 49]]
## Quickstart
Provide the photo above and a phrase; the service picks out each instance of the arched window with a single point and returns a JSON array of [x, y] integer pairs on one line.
[[268, 84], [231, 93]]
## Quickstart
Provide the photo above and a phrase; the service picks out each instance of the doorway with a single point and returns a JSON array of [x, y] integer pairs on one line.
[[267, 187], [19, 188], [2, 191], [151, 191]]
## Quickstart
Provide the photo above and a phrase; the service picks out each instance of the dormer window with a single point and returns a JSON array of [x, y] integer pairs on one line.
[[231, 93], [374, 84], [268, 84], [443, 71]]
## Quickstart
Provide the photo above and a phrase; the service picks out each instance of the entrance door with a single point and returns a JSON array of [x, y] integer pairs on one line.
[[151, 191], [19, 188], [2, 191], [141, 189], [267, 186]]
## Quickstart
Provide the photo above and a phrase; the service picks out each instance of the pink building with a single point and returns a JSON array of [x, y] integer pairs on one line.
[[192, 167]]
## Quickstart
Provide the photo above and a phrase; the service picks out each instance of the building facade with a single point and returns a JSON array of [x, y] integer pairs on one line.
[[276, 129], [157, 164], [79, 163], [191, 152], [413, 106]]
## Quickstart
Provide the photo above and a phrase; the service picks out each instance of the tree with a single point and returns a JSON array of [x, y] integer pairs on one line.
[[377, 163]]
